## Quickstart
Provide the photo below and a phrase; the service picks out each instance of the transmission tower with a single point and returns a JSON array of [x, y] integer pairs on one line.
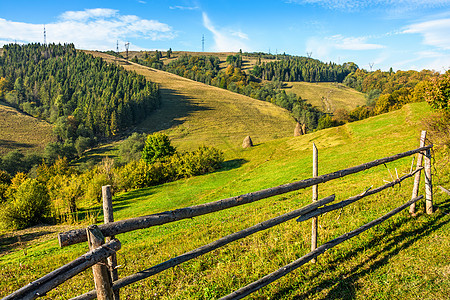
[[127, 45], [45, 36], [203, 43], [309, 54], [370, 66]]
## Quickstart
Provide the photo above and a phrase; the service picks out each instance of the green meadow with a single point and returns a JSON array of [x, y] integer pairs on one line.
[[403, 258]]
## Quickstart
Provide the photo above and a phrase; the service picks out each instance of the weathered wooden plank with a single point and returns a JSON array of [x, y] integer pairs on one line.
[[48, 282], [315, 196], [108, 217], [325, 209], [102, 277], [254, 286], [428, 183], [210, 247], [415, 191], [79, 235]]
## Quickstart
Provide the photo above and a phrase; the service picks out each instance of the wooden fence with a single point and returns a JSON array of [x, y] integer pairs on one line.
[[101, 256]]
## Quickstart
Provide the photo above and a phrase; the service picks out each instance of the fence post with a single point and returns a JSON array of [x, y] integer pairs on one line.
[[428, 183], [108, 217], [315, 197], [415, 192], [102, 277]]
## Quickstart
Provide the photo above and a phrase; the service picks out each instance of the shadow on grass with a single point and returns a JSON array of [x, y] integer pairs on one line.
[[174, 109], [15, 242], [232, 164], [343, 285], [13, 145]]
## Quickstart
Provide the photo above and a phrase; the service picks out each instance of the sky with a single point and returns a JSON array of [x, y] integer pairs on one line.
[[374, 34]]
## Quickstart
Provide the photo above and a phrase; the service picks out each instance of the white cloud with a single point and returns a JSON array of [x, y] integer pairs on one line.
[[95, 29], [226, 40], [435, 33]]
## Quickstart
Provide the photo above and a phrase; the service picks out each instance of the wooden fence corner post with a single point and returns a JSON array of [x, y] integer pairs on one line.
[[108, 217], [315, 197], [415, 192], [428, 183], [102, 277]]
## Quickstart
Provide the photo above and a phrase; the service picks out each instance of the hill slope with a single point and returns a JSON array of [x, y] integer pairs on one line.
[[405, 258], [327, 96], [193, 113], [21, 131]]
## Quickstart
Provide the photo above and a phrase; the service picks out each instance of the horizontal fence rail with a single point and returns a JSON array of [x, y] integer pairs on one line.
[[210, 247], [252, 287], [344, 203], [96, 257], [114, 228], [41, 286]]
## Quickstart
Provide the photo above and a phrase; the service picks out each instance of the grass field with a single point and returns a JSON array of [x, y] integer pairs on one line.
[[327, 96], [404, 258], [21, 131]]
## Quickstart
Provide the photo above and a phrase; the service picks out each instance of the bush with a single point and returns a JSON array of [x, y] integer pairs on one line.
[[201, 161], [157, 146], [131, 148], [29, 206]]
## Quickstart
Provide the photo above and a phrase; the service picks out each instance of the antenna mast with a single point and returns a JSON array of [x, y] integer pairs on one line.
[[45, 36], [203, 43], [127, 45]]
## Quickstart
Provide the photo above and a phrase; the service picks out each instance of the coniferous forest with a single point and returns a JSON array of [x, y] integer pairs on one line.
[[83, 96]]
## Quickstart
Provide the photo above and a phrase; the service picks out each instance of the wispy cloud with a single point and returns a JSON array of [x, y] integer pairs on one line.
[[89, 29], [226, 40], [355, 5], [184, 7], [323, 47], [435, 33]]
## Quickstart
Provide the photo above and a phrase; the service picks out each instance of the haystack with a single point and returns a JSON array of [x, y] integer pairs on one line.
[[298, 131], [247, 143]]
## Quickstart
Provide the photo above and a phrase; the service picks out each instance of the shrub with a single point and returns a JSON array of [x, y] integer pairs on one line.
[[201, 161], [131, 148], [157, 146], [29, 206]]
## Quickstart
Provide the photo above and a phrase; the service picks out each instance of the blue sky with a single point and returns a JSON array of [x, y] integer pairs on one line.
[[403, 34]]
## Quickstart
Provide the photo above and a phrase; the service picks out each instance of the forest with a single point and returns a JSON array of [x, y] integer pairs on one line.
[[84, 97]]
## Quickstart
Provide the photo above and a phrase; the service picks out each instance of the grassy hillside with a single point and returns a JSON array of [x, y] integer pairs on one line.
[[404, 258], [327, 96], [21, 131], [193, 113]]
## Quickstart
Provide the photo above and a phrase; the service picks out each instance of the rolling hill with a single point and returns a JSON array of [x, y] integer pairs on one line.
[[325, 96], [193, 113]]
